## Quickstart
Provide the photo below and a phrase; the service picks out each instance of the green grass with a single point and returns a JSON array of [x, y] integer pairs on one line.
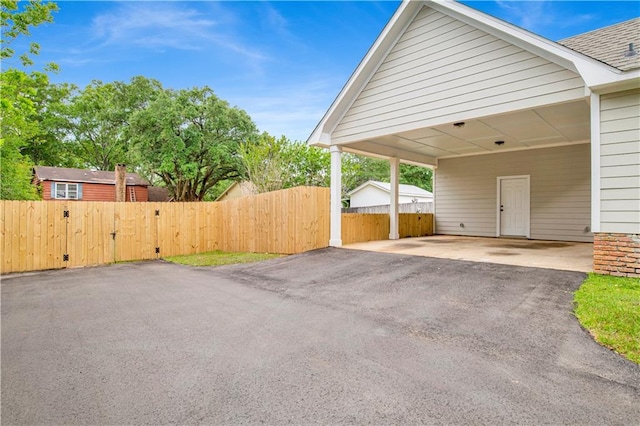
[[219, 258], [609, 307]]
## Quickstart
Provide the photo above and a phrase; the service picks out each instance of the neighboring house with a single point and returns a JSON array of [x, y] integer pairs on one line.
[[527, 137], [374, 193], [59, 183], [237, 190]]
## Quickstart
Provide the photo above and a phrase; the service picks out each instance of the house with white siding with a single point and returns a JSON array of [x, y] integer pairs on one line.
[[375, 193], [527, 137]]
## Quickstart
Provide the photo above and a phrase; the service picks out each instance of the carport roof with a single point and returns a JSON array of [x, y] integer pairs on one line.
[[425, 145]]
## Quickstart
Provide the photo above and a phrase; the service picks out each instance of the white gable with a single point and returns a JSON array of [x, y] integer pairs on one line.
[[441, 70]]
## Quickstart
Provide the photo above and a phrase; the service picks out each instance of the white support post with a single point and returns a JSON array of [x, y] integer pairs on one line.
[[335, 238], [393, 205]]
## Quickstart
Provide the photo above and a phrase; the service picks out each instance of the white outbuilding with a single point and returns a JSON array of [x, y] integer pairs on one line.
[[375, 193]]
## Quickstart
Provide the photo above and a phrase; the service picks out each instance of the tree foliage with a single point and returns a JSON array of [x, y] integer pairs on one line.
[[98, 120], [19, 98], [16, 107], [48, 147], [190, 140], [273, 164], [264, 162], [17, 19], [422, 177], [357, 169]]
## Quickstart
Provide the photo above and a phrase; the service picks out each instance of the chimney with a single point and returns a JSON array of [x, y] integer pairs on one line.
[[121, 182]]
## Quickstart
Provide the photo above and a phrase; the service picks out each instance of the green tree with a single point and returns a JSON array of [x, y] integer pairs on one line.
[[16, 107], [190, 139], [421, 177], [357, 169], [273, 164], [49, 145], [17, 19], [264, 162], [306, 165], [18, 97], [98, 120]]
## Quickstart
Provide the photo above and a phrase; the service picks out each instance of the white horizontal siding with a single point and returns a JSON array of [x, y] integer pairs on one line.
[[466, 192], [442, 70], [620, 162]]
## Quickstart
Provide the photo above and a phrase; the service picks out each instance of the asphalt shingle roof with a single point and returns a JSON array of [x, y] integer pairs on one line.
[[63, 174], [609, 44], [403, 189]]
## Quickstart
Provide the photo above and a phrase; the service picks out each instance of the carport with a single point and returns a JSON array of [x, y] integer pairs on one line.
[[528, 138]]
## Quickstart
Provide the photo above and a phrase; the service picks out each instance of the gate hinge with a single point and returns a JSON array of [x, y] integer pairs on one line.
[[157, 250], [65, 213], [65, 257]]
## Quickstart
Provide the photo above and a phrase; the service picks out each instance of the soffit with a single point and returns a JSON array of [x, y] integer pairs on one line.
[[562, 124]]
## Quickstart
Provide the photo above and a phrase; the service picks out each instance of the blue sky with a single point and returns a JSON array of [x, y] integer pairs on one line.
[[282, 62]]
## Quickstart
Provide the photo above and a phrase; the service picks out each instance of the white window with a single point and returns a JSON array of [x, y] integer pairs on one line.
[[66, 191]]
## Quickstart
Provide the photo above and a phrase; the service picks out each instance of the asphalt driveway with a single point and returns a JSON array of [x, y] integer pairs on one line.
[[330, 337]]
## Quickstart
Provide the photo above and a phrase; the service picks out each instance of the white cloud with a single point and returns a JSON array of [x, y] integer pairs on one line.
[[275, 21], [530, 15], [536, 16], [160, 26], [151, 25]]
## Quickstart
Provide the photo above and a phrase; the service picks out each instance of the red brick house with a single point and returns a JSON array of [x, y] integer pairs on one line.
[[59, 183]]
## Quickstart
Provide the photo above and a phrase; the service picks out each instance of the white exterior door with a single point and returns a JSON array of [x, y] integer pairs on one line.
[[513, 209]]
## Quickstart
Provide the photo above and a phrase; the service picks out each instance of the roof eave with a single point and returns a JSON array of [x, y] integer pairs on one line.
[[96, 182], [358, 188], [626, 81]]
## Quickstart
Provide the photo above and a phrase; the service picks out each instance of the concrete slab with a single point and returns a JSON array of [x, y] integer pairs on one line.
[[560, 255]]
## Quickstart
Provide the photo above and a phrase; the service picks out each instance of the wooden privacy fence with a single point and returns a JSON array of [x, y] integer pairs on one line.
[[361, 227], [39, 235]]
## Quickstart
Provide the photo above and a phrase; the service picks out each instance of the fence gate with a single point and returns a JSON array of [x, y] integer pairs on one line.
[[89, 233], [136, 231]]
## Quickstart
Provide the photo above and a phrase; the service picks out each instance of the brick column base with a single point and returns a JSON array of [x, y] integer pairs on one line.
[[616, 254]]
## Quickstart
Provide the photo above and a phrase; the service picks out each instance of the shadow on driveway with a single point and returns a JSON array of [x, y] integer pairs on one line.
[[330, 336]]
